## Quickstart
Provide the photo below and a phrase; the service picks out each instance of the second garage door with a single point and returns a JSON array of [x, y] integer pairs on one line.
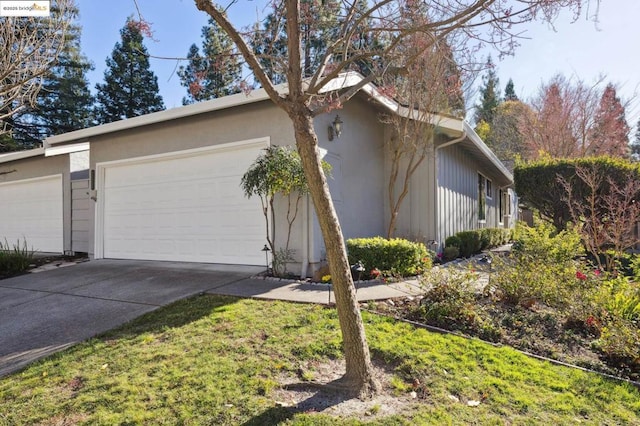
[[186, 206], [31, 211]]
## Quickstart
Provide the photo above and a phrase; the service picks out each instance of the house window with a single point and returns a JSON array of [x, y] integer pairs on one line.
[[482, 198], [489, 188]]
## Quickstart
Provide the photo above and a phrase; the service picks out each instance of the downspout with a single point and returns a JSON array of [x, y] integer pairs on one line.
[[435, 184], [305, 237]]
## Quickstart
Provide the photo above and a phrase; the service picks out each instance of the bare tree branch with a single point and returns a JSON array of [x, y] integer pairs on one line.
[[253, 62], [29, 48]]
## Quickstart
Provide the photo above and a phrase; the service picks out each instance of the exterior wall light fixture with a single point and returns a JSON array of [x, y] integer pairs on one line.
[[335, 129]]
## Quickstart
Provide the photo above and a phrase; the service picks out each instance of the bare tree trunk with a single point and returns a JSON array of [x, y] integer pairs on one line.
[[359, 375]]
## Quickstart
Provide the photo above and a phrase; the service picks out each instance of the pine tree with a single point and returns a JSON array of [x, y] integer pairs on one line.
[[269, 44], [66, 102], [489, 95], [318, 25], [506, 139], [610, 132], [509, 91], [214, 73], [130, 87]]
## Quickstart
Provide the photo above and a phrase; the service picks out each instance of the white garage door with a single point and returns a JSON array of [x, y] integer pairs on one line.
[[31, 211], [184, 207]]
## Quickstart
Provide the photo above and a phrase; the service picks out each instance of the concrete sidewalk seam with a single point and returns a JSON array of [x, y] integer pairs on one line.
[[226, 284], [53, 293]]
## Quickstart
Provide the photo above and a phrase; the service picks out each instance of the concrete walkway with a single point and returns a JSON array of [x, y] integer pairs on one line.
[[43, 313], [296, 291]]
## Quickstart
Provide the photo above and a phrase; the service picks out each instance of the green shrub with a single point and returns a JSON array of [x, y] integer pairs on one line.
[[546, 245], [474, 241], [634, 264], [449, 298], [469, 243], [541, 267], [498, 236], [397, 256], [452, 241], [619, 343], [620, 297], [451, 252], [14, 259], [450, 301], [485, 238], [537, 183], [522, 279]]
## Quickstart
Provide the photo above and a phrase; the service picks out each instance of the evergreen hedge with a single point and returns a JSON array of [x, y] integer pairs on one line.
[[471, 242], [538, 186], [396, 256]]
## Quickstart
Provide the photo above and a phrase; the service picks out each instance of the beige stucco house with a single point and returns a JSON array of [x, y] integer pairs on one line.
[[166, 186], [38, 190]]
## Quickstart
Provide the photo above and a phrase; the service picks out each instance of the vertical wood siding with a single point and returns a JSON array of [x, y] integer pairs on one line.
[[416, 217], [80, 204], [458, 194]]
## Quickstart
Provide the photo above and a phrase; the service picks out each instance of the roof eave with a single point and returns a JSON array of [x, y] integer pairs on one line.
[[162, 116], [20, 155]]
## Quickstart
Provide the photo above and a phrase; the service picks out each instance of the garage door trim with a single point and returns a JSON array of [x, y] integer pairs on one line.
[[101, 167], [29, 180]]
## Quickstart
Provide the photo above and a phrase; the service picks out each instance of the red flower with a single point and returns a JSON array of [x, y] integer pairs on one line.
[[591, 321], [375, 273], [581, 276], [596, 272]]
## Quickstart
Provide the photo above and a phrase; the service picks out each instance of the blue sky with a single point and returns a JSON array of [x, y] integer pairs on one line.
[[581, 49]]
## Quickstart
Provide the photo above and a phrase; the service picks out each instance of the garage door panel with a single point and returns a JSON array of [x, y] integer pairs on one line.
[[187, 208], [32, 211]]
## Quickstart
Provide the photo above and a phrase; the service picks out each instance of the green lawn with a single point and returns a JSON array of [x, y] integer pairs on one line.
[[216, 360]]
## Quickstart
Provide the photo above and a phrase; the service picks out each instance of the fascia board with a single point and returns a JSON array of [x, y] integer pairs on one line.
[[164, 116], [19, 155], [51, 151]]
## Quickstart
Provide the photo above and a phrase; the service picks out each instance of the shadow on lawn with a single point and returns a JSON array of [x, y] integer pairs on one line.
[[175, 315], [324, 396]]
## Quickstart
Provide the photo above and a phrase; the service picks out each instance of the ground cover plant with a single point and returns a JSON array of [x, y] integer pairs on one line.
[[14, 258], [219, 360], [545, 298]]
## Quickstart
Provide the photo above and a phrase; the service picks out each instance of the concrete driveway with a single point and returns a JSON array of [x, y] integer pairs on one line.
[[43, 313]]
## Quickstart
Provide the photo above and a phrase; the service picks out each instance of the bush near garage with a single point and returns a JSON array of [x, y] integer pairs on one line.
[[396, 257]]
